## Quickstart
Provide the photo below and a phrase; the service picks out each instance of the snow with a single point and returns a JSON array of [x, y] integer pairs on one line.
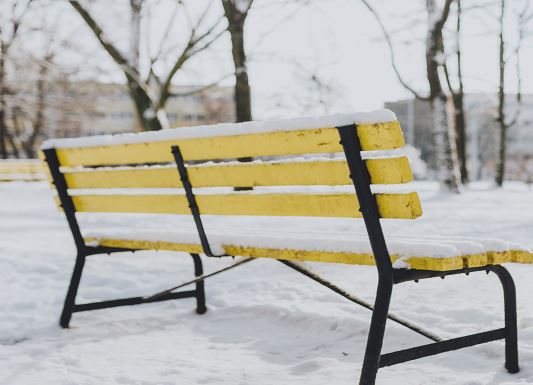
[[225, 129], [288, 233], [266, 325]]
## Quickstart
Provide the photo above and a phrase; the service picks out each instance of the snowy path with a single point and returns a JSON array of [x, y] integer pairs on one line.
[[265, 324]]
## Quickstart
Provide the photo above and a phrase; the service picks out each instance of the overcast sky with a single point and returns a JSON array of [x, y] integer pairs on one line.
[[336, 40]]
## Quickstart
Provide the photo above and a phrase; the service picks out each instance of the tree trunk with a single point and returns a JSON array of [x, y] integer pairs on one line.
[[38, 123], [135, 33], [500, 160], [236, 19], [242, 95], [146, 112], [458, 103], [445, 147], [243, 102], [460, 132], [3, 124]]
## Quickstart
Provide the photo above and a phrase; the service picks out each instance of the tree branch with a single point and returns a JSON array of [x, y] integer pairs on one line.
[[388, 40], [188, 52]]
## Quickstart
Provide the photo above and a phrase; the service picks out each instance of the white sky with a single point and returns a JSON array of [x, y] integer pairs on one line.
[[338, 40]]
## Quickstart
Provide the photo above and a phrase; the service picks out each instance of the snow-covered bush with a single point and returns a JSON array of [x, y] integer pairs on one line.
[[418, 166]]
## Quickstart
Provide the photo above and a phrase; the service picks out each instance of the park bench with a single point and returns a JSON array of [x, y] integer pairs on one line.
[[191, 173], [28, 170]]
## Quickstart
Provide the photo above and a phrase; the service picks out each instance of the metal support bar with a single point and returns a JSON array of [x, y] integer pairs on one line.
[[132, 301], [200, 287], [70, 299], [367, 201], [191, 199], [200, 278], [408, 275], [67, 204], [440, 347], [317, 278], [371, 216]]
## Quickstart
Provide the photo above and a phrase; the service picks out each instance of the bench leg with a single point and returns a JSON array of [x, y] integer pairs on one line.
[[511, 339], [68, 307], [200, 290], [376, 333]]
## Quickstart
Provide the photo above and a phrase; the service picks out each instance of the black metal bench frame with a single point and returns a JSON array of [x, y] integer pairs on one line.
[[387, 275], [83, 251]]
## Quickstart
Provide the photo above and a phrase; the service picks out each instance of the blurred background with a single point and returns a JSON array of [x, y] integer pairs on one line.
[[457, 74]]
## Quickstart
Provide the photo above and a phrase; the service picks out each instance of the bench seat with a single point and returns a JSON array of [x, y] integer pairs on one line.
[[253, 237]]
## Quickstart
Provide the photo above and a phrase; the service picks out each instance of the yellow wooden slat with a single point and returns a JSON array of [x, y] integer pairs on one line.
[[20, 168], [382, 136], [390, 170], [421, 263], [382, 171], [405, 206]]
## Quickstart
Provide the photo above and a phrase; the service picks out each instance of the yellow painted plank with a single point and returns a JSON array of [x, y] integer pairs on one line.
[[435, 264], [421, 263], [522, 256], [382, 136], [21, 168], [475, 260], [382, 171], [499, 257], [390, 170], [406, 206]]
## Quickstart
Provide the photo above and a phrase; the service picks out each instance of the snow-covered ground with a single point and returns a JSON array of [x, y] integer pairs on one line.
[[265, 324]]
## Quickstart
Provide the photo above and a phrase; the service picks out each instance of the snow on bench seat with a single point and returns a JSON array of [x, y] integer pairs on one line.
[[255, 237]]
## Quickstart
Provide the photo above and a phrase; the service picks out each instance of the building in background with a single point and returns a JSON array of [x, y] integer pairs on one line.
[[482, 134], [59, 107], [112, 109]]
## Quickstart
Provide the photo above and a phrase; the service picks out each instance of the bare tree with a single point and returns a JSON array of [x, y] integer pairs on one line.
[[9, 31], [150, 93], [458, 96], [44, 99], [502, 119], [445, 145]]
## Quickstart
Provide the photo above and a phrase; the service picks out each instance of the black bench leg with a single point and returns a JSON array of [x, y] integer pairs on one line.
[[376, 333], [511, 340], [68, 307], [200, 290]]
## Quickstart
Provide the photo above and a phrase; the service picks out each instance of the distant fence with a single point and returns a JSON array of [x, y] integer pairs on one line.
[[21, 170]]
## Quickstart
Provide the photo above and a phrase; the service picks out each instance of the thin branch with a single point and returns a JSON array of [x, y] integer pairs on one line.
[[445, 14], [522, 21], [203, 88], [388, 40], [188, 52], [130, 72]]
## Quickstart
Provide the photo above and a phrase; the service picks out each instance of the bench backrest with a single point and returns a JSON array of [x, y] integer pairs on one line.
[[145, 161], [21, 170]]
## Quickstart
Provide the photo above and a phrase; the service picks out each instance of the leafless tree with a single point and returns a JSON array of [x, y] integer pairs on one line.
[[150, 92], [503, 122], [44, 101], [458, 96], [445, 145], [9, 31]]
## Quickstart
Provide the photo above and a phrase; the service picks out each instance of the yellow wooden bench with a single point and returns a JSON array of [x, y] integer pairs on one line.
[[301, 169], [27, 170]]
